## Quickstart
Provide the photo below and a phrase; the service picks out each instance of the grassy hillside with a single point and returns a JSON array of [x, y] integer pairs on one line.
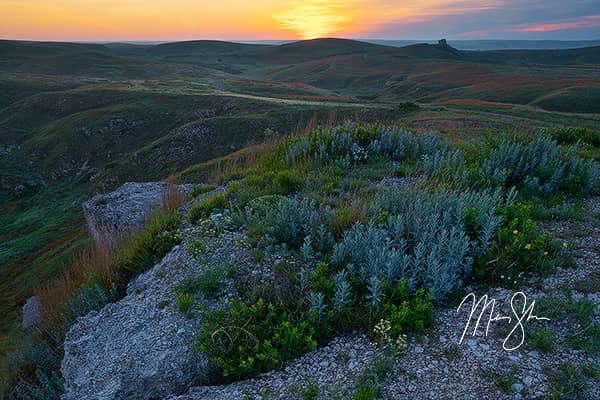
[[76, 119]]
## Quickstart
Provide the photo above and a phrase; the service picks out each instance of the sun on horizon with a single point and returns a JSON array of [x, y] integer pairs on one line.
[[315, 19], [155, 20]]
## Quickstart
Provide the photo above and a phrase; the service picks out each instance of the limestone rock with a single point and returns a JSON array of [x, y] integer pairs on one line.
[[31, 313], [138, 348], [125, 209]]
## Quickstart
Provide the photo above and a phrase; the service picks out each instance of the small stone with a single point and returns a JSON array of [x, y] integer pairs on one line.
[[31, 313], [517, 387]]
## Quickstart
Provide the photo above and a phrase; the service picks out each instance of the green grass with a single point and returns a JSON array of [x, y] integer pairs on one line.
[[566, 382], [370, 382], [39, 235]]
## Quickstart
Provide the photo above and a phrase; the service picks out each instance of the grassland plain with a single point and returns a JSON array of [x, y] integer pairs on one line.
[[80, 118]]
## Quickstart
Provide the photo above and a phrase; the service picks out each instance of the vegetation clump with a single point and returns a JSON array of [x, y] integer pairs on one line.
[[380, 263]]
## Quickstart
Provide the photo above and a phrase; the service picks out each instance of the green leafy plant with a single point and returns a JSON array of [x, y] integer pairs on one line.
[[541, 339], [519, 248], [184, 302], [245, 339], [409, 313]]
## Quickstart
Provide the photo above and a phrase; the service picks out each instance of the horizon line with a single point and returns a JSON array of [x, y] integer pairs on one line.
[[156, 41]]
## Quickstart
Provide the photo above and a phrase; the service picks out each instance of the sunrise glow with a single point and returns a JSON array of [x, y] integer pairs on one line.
[[266, 19]]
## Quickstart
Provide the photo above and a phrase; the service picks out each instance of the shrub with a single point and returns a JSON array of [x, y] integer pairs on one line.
[[354, 143], [206, 205], [245, 339], [287, 181], [538, 168], [573, 135], [408, 106], [421, 236], [518, 248], [290, 221]]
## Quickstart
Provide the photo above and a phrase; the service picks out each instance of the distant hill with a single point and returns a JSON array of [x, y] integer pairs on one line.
[[202, 47], [587, 55], [483, 45], [326, 68], [18, 48], [423, 50]]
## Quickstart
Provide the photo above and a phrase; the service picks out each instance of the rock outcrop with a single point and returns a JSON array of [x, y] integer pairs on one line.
[[125, 209], [140, 347], [31, 313]]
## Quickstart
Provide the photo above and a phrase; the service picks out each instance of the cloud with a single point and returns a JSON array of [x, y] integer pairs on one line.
[[588, 21], [494, 19]]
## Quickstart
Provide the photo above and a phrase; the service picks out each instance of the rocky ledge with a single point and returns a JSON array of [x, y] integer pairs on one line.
[[125, 209]]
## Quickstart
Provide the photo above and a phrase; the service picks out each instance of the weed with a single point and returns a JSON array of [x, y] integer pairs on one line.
[[452, 351], [197, 190], [586, 338], [369, 383], [505, 382], [310, 392], [184, 302], [566, 382], [541, 339], [196, 247]]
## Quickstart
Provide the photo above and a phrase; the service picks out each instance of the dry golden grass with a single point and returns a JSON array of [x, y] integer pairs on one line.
[[172, 197], [93, 263], [98, 263]]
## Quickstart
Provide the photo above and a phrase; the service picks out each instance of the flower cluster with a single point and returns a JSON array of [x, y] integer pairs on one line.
[[385, 340]]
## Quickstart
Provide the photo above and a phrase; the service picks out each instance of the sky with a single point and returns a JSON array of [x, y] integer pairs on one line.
[[160, 20]]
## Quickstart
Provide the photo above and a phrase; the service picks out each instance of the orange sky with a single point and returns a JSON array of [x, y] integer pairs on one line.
[[104, 20], [226, 19]]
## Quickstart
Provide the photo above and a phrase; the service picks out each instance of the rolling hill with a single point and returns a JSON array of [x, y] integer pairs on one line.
[[79, 118]]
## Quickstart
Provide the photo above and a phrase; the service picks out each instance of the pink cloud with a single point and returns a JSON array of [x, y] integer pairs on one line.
[[589, 21]]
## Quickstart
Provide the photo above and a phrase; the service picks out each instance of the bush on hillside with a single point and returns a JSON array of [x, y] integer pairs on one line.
[[538, 168], [288, 220], [428, 238], [355, 143]]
